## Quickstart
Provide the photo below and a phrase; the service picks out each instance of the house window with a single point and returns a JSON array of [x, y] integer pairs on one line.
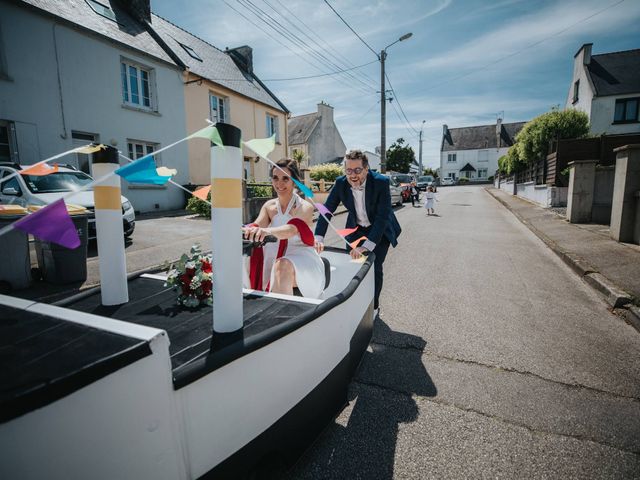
[[576, 91], [192, 53], [8, 147], [626, 110], [138, 149], [136, 85], [482, 173], [272, 127], [218, 109], [102, 9], [483, 155], [451, 158]]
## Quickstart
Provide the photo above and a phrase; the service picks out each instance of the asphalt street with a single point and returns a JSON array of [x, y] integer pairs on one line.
[[490, 359]]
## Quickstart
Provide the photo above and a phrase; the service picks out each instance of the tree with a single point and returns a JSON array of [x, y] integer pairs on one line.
[[430, 171], [533, 140], [400, 157], [299, 156]]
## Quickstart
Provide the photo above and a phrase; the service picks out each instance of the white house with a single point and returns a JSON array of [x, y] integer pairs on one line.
[[607, 88], [76, 71], [473, 152], [317, 135]]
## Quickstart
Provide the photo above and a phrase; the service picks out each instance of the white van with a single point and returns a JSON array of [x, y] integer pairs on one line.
[[26, 190]]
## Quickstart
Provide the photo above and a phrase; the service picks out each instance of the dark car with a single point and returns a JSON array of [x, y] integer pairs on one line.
[[427, 181]]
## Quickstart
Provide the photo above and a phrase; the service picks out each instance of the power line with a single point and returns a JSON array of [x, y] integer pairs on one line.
[[398, 102], [321, 75], [406, 125], [316, 51], [288, 35], [349, 26]]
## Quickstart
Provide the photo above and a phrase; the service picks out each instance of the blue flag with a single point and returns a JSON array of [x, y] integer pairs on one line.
[[142, 170]]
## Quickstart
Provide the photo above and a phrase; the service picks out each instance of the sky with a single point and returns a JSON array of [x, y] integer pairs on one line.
[[467, 62]]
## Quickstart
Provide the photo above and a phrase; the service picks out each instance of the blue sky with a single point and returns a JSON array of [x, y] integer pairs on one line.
[[467, 61]]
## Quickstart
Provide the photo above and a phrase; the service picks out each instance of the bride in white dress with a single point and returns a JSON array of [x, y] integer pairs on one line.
[[292, 262]]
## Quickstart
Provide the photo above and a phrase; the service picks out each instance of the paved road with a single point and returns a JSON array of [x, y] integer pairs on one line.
[[491, 360]]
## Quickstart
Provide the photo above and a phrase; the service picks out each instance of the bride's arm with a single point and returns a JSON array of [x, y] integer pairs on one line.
[[283, 232]]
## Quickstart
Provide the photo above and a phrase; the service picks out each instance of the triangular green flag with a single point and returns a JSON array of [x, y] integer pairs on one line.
[[262, 146], [210, 133]]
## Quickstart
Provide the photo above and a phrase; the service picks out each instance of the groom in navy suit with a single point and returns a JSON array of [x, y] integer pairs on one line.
[[365, 194]]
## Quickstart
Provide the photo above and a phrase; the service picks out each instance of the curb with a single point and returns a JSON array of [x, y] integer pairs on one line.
[[614, 295]]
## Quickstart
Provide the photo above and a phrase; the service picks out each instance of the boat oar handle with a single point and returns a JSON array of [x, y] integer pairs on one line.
[[248, 245]]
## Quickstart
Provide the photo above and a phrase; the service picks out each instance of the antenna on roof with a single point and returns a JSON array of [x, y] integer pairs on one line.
[[500, 115]]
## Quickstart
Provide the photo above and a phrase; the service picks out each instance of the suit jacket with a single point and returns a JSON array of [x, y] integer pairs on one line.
[[377, 199]]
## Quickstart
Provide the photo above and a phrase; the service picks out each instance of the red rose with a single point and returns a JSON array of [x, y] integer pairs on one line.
[[191, 271], [206, 266]]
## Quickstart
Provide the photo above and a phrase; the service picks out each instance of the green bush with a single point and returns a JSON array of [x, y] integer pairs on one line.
[[326, 171], [260, 191], [196, 205], [490, 179], [462, 180]]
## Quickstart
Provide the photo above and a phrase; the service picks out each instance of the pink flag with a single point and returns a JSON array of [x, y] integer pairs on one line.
[[51, 223], [346, 231], [322, 209], [355, 243], [39, 170]]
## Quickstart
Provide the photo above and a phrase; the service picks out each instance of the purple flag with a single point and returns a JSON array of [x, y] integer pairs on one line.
[[322, 209], [51, 223]]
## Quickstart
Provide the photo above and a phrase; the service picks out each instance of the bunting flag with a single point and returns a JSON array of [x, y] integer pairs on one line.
[[355, 243], [144, 171], [39, 170], [262, 146], [303, 188], [360, 259], [210, 133], [166, 172], [346, 231], [322, 209], [202, 193], [51, 223], [89, 149]]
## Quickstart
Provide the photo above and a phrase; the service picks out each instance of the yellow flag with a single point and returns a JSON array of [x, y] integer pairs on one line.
[[166, 172], [89, 149]]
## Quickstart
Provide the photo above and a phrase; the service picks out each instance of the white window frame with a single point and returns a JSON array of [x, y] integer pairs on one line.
[[452, 157], [273, 126], [126, 83], [134, 153], [481, 171], [217, 104]]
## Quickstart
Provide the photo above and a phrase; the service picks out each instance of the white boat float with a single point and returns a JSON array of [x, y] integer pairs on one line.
[[148, 389]]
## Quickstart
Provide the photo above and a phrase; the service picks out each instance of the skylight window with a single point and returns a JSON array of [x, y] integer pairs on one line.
[[192, 53], [102, 9]]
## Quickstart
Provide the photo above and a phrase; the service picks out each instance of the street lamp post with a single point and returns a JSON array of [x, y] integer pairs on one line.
[[421, 170], [383, 105]]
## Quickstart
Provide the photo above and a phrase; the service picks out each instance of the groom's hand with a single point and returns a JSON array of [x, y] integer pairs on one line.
[[319, 246], [358, 252]]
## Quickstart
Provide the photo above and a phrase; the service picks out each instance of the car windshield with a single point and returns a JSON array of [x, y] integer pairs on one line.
[[56, 182], [425, 178], [403, 178]]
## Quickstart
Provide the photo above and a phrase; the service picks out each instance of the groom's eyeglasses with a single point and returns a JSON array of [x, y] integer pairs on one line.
[[351, 171]]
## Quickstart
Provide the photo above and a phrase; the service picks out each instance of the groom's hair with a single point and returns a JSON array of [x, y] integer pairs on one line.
[[292, 165], [357, 155]]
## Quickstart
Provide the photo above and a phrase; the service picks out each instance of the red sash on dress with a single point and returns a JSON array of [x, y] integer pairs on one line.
[[256, 262]]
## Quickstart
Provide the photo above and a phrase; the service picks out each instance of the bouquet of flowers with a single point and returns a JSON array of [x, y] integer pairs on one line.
[[191, 276]]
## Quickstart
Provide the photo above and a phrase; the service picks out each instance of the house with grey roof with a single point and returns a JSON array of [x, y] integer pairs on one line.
[[607, 87], [317, 136], [80, 71], [222, 86], [473, 152]]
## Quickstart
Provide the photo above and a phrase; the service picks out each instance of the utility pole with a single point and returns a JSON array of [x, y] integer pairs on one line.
[[383, 116], [421, 169], [383, 105]]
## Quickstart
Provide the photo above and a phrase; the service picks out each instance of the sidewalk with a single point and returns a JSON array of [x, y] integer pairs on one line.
[[610, 267]]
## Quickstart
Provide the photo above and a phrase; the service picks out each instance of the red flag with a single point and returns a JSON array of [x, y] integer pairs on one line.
[[355, 243], [202, 192], [346, 231]]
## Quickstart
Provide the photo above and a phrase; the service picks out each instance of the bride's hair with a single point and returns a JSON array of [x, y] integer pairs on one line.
[[292, 165]]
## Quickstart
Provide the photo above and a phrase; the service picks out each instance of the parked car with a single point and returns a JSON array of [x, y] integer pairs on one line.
[[425, 181], [447, 181], [396, 194], [402, 180], [26, 190]]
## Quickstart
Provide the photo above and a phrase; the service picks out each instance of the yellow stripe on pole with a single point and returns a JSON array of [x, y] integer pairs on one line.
[[107, 198], [226, 193]]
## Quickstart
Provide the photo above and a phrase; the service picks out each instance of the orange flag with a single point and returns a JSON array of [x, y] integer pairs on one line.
[[202, 192], [40, 170], [346, 231], [355, 243]]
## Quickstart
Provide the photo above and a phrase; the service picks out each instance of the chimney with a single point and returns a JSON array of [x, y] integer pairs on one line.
[[242, 57], [326, 112], [498, 132], [140, 9], [585, 50]]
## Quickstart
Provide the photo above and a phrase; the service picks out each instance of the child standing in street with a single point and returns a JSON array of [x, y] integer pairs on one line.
[[430, 199]]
